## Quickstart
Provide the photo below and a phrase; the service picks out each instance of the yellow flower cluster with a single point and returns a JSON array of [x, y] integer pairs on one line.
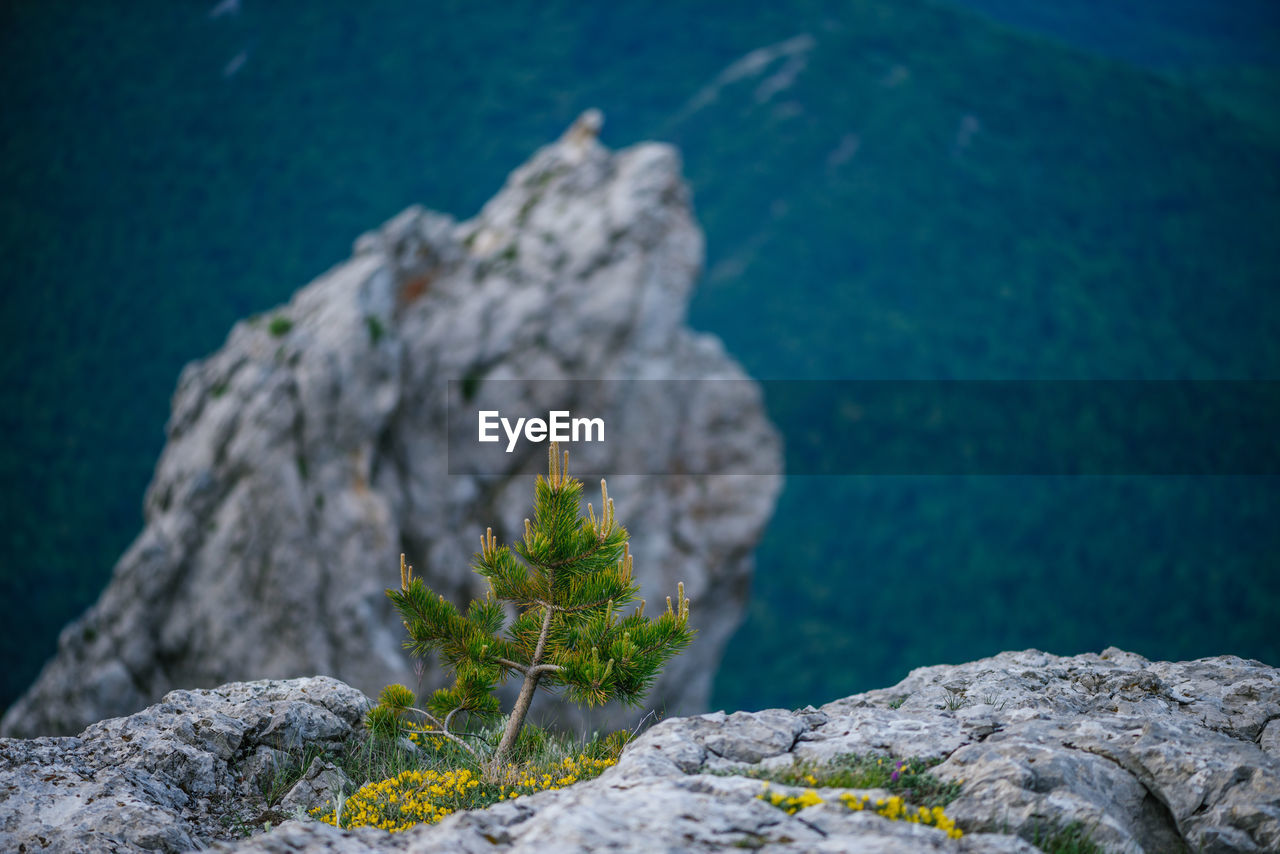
[[808, 798], [895, 809], [425, 797], [398, 803], [421, 735], [525, 781], [892, 808]]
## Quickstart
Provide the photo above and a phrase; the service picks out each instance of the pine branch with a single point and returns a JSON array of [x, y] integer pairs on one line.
[[506, 662], [442, 729], [556, 564]]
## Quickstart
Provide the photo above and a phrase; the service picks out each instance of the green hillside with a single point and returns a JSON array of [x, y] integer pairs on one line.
[[1102, 221], [1229, 52], [910, 191], [1097, 221]]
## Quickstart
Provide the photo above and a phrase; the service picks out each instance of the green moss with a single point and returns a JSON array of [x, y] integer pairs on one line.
[[526, 208], [376, 330], [542, 179], [279, 326]]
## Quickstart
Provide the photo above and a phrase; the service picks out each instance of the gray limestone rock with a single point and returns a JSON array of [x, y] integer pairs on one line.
[[323, 784], [1035, 741], [171, 777], [1146, 756], [310, 451]]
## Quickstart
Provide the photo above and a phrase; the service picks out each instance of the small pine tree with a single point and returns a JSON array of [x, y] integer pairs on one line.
[[567, 579]]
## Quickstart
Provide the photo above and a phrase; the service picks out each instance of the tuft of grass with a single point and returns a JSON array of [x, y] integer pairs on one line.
[[909, 778], [896, 702], [376, 330], [279, 326], [288, 772], [990, 700], [1073, 838]]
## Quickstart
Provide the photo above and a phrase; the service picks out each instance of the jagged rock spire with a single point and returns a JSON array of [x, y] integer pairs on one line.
[[309, 452]]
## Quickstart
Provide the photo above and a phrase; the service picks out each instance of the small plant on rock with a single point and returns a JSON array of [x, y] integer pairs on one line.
[[568, 579], [911, 777], [279, 326]]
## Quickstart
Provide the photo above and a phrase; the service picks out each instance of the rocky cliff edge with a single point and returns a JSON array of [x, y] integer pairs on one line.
[[1146, 756]]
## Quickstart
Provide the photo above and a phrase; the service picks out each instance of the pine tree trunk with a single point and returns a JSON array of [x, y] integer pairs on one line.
[[521, 708], [516, 720]]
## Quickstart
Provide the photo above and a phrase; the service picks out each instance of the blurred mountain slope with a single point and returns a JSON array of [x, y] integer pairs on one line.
[[890, 189]]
